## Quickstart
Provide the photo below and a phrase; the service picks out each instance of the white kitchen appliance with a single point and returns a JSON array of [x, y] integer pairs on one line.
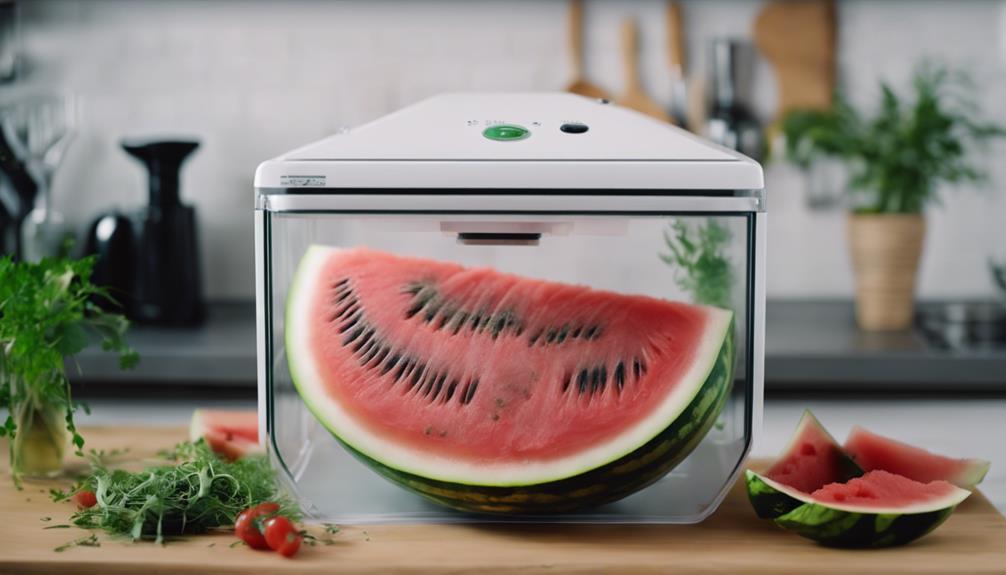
[[549, 186]]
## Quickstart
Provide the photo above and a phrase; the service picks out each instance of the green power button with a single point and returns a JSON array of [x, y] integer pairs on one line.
[[506, 132]]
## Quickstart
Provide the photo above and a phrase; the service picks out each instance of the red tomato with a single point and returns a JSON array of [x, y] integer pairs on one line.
[[282, 536], [248, 525], [85, 499]]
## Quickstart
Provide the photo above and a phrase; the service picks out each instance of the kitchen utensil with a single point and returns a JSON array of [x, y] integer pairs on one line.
[[549, 199], [634, 96], [166, 288], [731, 122], [676, 58], [579, 84], [798, 39], [39, 130]]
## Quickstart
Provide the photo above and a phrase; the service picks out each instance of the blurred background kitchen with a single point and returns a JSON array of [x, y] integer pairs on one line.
[[249, 80]]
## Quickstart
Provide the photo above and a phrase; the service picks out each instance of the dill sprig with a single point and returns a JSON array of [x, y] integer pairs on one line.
[[703, 267], [194, 492]]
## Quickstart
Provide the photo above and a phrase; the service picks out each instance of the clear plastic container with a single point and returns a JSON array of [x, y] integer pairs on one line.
[[617, 240]]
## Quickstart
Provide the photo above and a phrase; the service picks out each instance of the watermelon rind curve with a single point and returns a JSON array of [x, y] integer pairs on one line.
[[844, 525], [607, 472]]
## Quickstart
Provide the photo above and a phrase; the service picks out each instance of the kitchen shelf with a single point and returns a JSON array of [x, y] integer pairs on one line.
[[810, 345]]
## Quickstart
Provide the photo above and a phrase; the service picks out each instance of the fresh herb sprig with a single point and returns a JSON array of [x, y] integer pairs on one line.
[[48, 312], [702, 265], [192, 492], [899, 156]]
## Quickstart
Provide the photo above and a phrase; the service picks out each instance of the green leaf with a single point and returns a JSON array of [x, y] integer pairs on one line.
[[71, 339], [912, 145]]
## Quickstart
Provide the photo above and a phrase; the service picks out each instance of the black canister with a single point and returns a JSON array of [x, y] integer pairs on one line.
[[167, 283]]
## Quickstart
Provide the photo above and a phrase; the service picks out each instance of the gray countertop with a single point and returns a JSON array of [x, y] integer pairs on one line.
[[809, 345]]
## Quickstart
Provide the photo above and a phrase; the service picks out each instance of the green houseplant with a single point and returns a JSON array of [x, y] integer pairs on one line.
[[898, 159], [48, 313]]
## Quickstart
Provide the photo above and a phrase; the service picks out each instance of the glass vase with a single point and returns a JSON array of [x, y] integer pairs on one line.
[[41, 438]]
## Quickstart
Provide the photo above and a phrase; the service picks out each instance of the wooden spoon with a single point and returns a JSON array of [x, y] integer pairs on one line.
[[579, 84], [634, 97]]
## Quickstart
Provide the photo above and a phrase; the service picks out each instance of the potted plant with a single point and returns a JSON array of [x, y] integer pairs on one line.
[[48, 312], [897, 161]]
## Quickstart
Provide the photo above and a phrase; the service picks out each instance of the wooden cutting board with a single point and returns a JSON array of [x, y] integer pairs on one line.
[[732, 541]]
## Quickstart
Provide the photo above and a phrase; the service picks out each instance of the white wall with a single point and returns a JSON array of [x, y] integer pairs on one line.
[[253, 79]]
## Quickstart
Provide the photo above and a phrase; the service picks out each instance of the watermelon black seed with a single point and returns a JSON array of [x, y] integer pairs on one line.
[[469, 393], [581, 381], [620, 376], [563, 331], [353, 335], [566, 380], [390, 364], [534, 338], [450, 390]]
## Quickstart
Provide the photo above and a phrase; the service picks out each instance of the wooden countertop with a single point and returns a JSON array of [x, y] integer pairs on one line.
[[732, 541]]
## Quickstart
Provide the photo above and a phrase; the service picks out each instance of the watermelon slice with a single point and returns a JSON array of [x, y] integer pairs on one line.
[[231, 434], [879, 509], [490, 392], [872, 451], [812, 460], [816, 490]]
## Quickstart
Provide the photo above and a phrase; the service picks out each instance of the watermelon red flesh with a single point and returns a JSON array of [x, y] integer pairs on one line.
[[812, 460], [427, 364], [883, 492], [872, 451], [231, 434]]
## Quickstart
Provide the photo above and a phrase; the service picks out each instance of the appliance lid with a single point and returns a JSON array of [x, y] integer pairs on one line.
[[542, 140]]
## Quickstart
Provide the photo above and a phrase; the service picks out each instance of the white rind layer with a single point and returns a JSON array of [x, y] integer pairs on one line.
[[310, 384], [949, 500]]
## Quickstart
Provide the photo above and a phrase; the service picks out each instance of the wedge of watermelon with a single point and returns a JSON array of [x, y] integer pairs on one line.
[[495, 393], [879, 509], [812, 460], [872, 451], [231, 434]]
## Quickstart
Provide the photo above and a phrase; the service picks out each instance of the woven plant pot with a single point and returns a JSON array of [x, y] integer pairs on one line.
[[885, 249]]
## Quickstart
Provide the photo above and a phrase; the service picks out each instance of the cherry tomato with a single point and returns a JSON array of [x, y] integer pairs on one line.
[[248, 525], [85, 499], [282, 536]]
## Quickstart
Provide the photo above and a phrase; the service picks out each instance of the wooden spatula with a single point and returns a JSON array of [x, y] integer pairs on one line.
[[798, 39], [634, 97], [579, 84]]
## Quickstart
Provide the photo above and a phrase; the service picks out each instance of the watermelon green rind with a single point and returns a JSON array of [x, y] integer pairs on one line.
[[771, 499], [840, 528], [608, 483], [673, 415], [843, 525]]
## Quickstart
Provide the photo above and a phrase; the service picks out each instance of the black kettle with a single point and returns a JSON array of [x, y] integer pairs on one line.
[[153, 254]]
